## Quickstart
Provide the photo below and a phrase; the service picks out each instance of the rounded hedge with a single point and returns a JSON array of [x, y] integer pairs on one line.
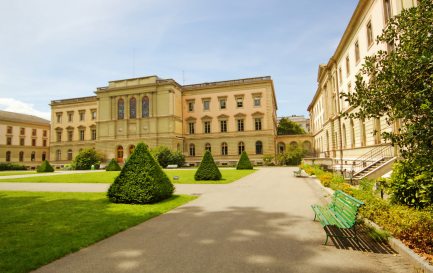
[[45, 167], [141, 180], [207, 170], [244, 162], [113, 166]]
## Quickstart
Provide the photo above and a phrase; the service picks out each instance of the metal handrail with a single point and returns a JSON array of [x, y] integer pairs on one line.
[[371, 157]]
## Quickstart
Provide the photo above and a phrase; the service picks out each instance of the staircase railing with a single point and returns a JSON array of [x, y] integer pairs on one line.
[[371, 157]]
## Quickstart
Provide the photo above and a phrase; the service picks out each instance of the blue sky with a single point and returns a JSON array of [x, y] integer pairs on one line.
[[53, 49]]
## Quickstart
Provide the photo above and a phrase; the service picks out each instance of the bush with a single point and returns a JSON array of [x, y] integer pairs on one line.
[[267, 160], [312, 169], [12, 167], [86, 158], [244, 162], [141, 180], [207, 170], [113, 166], [45, 167], [166, 157], [326, 178], [292, 157]]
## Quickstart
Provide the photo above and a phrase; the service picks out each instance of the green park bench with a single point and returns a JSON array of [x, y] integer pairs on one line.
[[298, 173], [340, 215]]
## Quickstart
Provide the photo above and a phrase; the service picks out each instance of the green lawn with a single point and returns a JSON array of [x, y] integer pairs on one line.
[[185, 177], [5, 173], [39, 227]]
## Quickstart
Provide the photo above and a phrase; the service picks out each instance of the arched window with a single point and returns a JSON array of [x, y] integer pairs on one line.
[[363, 133], [241, 147], [145, 107], [352, 133], [132, 108], [293, 145], [307, 145], [21, 156], [33, 156], [191, 149], [224, 149], [44, 156], [327, 141], [178, 147], [119, 153], [120, 109], [259, 148], [377, 131], [8, 156], [281, 147], [344, 136], [131, 149], [69, 154], [207, 147], [58, 155]]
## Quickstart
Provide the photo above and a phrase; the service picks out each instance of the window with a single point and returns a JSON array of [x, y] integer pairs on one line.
[[357, 55], [363, 133], [240, 125], [81, 134], [22, 131], [70, 117], [33, 142], [340, 74], [258, 124], [8, 141], [207, 127], [344, 137], [207, 147], [33, 132], [281, 147], [257, 101], [33, 156], [21, 156], [82, 115], [58, 155], [239, 102], [93, 134], [352, 133], [120, 109], [69, 154], [206, 104], [377, 131], [131, 149], [145, 107], [132, 108], [387, 10], [259, 148], [22, 141], [223, 103], [191, 149], [347, 66], [44, 143], [369, 33], [241, 147], [190, 106], [93, 113], [224, 149], [191, 128], [44, 156], [9, 129], [70, 135], [45, 133], [59, 117], [119, 153], [223, 125], [8, 156]]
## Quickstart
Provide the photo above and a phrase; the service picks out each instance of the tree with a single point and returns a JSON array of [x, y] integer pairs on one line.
[[398, 84], [207, 170], [165, 156], [45, 167], [244, 162], [86, 158], [141, 180], [288, 127], [113, 166]]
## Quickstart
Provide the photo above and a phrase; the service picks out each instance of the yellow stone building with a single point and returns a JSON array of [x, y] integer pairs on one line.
[[340, 142], [224, 117], [24, 139]]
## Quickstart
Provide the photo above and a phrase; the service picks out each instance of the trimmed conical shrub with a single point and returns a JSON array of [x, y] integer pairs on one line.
[[113, 166], [45, 167], [141, 180], [244, 162], [207, 170]]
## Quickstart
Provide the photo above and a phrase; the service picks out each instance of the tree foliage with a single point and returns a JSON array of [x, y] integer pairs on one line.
[[45, 167], [244, 162], [207, 170], [86, 158], [398, 84], [141, 180], [292, 157], [165, 156], [288, 127], [113, 166]]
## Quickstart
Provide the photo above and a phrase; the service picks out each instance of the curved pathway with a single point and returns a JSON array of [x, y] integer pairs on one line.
[[261, 223]]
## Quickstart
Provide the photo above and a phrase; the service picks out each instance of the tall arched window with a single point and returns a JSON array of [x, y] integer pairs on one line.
[[21, 156], [69, 154], [241, 147], [259, 148], [363, 133], [8, 156], [145, 107], [44, 156], [120, 109], [281, 147], [131, 149], [293, 145], [33, 156], [191, 149], [58, 155], [352, 133], [132, 108], [344, 136], [224, 148], [377, 131], [307, 145], [119, 153], [327, 141], [207, 147]]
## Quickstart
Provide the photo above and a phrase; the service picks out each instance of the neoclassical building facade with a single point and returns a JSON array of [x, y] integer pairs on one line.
[[340, 139], [225, 117]]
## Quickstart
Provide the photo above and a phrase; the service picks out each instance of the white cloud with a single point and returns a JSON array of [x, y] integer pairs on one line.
[[13, 105]]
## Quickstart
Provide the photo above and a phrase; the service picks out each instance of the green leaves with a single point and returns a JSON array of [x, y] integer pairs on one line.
[[244, 162], [288, 127], [207, 170], [86, 158], [45, 167]]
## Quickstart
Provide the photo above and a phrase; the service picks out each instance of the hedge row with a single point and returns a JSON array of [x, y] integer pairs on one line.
[[11, 167]]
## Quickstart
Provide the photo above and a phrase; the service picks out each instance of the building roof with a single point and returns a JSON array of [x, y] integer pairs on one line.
[[17, 117]]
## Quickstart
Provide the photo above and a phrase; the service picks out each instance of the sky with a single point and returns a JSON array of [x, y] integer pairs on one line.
[[56, 49]]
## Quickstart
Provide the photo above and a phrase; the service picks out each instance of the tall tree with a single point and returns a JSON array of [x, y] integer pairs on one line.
[[288, 127]]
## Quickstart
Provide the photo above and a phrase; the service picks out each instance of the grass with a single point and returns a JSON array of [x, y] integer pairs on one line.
[[38, 227], [6, 173], [185, 177]]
